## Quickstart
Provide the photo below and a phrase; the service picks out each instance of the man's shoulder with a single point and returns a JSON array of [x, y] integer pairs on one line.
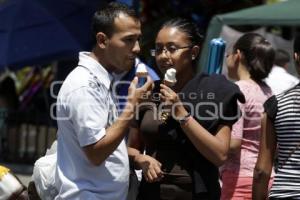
[[78, 79], [277, 72], [292, 78]]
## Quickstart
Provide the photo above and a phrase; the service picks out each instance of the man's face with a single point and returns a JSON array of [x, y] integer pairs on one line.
[[123, 46]]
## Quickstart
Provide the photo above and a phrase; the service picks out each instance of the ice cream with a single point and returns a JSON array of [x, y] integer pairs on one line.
[[141, 73], [170, 81], [170, 77], [141, 70]]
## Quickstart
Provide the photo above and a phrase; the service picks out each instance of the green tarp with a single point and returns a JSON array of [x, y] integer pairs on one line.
[[286, 13]]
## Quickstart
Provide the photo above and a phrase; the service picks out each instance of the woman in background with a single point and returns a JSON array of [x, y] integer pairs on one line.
[[249, 62]]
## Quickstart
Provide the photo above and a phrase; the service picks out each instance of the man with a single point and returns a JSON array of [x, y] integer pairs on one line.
[[279, 79], [92, 160]]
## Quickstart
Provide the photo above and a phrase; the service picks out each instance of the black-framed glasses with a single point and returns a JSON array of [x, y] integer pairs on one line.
[[167, 49]]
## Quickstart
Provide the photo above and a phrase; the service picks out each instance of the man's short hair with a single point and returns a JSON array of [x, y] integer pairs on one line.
[[103, 19], [281, 57]]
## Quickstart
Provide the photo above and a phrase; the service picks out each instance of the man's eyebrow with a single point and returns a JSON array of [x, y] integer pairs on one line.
[[129, 33], [132, 36]]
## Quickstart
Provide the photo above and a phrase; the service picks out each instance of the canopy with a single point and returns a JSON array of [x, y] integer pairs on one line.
[[284, 14]]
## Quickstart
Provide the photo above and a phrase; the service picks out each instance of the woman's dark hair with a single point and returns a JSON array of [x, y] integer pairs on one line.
[[189, 28], [297, 43], [258, 55], [103, 19]]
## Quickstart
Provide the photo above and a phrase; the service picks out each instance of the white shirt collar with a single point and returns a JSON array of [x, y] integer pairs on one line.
[[95, 68]]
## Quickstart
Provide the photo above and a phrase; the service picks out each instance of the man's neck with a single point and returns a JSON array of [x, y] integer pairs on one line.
[[101, 59]]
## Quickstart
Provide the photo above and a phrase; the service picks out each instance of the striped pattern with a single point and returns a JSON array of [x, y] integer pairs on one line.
[[287, 126]]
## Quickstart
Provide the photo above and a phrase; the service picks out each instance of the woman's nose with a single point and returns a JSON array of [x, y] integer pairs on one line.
[[165, 53]]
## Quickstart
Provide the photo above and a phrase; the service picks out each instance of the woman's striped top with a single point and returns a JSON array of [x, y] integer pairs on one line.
[[284, 109]]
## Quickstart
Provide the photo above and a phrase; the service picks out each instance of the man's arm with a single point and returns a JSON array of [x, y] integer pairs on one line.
[[100, 150]]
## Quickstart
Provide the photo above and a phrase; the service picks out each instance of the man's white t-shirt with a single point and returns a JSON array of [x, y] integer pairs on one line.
[[280, 80], [86, 106]]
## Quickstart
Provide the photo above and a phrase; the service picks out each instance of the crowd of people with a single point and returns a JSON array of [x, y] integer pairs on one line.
[[205, 137]]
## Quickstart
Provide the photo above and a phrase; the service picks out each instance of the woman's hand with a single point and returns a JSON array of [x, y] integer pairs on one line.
[[151, 167], [169, 97]]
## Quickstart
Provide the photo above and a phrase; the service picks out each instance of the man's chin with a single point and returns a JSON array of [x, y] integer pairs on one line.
[[128, 65], [123, 67], [119, 71]]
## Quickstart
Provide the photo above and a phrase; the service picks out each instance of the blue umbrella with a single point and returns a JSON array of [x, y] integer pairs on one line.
[[39, 31]]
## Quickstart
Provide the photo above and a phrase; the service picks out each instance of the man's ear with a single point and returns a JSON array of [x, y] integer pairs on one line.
[[101, 40]]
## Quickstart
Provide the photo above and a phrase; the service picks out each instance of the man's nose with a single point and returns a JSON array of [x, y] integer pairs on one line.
[[136, 49]]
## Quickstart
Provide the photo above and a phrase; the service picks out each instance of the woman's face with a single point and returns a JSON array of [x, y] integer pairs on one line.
[[173, 50]]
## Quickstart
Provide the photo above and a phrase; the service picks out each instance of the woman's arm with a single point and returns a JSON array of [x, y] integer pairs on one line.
[[213, 147], [237, 133], [264, 163]]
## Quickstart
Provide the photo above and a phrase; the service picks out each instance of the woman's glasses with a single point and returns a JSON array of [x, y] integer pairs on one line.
[[171, 49]]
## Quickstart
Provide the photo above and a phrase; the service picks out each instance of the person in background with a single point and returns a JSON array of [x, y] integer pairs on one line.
[[280, 130], [92, 158], [279, 79], [9, 103], [249, 62], [185, 146], [8, 94]]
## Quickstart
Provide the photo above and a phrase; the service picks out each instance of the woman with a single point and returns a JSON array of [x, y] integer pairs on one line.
[[250, 62], [281, 128], [184, 149]]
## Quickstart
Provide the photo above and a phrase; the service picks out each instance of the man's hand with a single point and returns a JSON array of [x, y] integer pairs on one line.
[[136, 95]]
